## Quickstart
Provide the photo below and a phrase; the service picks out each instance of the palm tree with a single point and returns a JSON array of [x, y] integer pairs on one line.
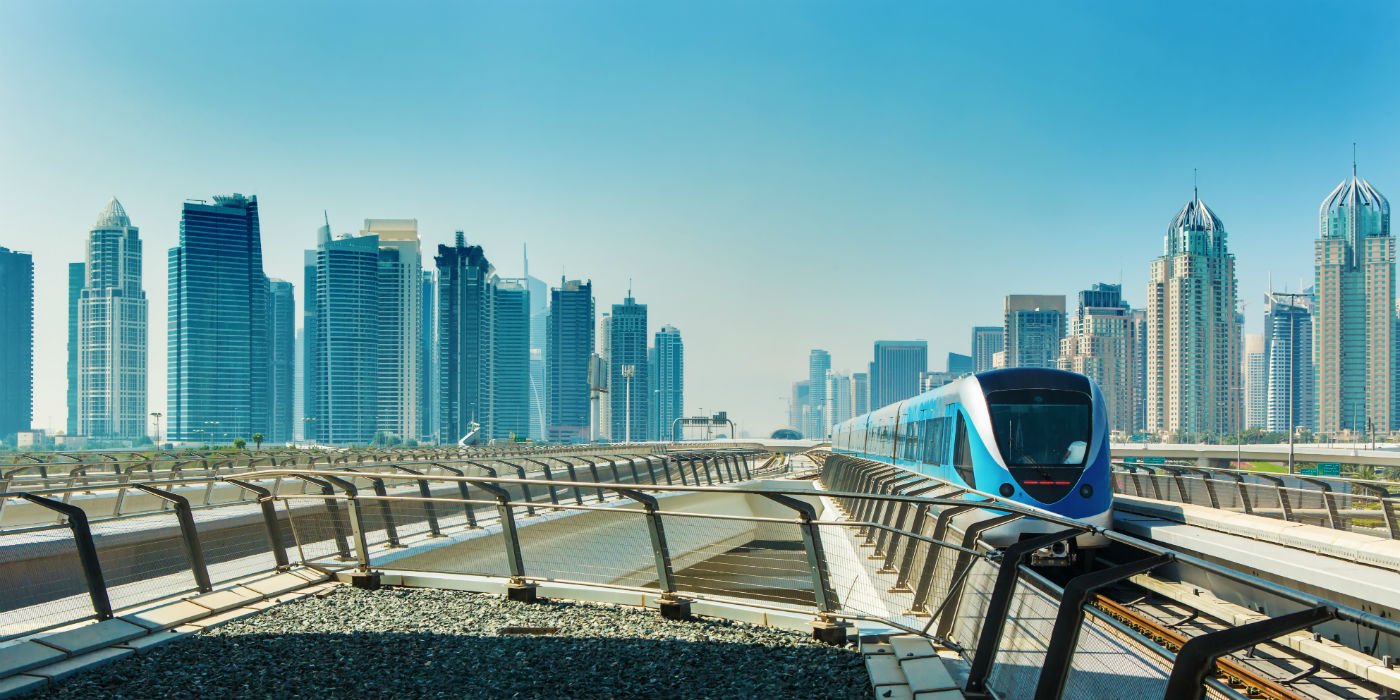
[[257, 441], [239, 443]]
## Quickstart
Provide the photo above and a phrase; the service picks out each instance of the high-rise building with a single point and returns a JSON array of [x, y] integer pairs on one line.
[[16, 342], [428, 361], [814, 424], [602, 380], [627, 367], [987, 341], [463, 336], [797, 404], [539, 332], [112, 331], [1100, 347], [1354, 316], [959, 364], [1256, 382], [508, 416], [670, 382], [1193, 338], [341, 340], [283, 317], [860, 393], [1139, 320], [1035, 324], [77, 279], [219, 369], [839, 402], [400, 331], [570, 344], [1291, 394], [895, 373]]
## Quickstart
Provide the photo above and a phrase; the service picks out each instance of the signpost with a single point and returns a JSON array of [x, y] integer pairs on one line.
[[1308, 471], [1329, 469], [1154, 460]]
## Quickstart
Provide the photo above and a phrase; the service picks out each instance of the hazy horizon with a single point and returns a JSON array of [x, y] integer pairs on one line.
[[771, 178]]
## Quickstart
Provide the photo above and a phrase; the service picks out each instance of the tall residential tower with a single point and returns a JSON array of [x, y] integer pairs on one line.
[[111, 348]]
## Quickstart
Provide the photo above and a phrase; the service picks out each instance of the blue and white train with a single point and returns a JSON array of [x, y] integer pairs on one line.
[[1038, 437]]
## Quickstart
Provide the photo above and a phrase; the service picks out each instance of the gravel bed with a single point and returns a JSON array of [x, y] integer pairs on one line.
[[414, 642]]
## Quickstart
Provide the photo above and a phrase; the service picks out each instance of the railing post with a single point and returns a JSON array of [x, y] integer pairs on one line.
[[964, 563], [573, 476], [548, 479], [189, 537], [462, 491], [1059, 653], [704, 464], [524, 488], [1180, 480], [940, 530], [1279, 489], [632, 465], [1334, 519], [612, 465], [338, 529], [87, 551], [824, 628], [999, 606], [426, 492], [1209, 483], [673, 607], [1196, 657], [518, 589], [386, 512], [268, 503], [679, 470], [1382, 495], [1243, 492], [593, 469]]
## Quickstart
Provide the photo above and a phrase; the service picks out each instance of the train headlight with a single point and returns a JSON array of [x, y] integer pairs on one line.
[[1006, 490], [1087, 490]]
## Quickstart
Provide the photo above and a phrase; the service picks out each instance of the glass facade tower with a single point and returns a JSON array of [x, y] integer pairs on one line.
[[111, 368], [219, 368], [570, 345], [16, 341]]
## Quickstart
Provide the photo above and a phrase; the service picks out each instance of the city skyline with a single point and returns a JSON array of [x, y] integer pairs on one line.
[[875, 155]]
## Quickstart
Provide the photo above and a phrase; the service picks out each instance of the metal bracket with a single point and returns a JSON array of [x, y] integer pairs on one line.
[[1196, 657]]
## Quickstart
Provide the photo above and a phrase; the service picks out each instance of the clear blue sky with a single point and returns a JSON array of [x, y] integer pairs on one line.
[[774, 176]]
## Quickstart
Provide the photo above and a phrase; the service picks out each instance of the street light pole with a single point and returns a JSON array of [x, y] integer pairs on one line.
[[156, 415]]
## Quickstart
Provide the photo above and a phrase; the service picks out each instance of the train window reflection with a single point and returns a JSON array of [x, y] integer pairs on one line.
[[1041, 427]]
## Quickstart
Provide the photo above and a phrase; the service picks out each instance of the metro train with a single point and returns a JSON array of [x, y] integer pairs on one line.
[[1038, 437]]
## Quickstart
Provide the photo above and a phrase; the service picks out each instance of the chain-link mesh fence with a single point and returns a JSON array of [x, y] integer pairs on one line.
[[42, 581]]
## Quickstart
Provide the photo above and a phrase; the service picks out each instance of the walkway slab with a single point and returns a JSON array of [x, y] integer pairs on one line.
[[167, 616], [64, 669], [94, 636], [16, 686], [910, 647], [220, 601], [884, 670], [144, 644], [927, 675], [26, 655]]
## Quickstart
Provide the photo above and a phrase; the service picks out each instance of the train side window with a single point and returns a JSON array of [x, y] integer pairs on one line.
[[962, 454]]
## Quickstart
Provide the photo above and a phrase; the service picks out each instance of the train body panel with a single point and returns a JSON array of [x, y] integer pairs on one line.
[[1037, 437]]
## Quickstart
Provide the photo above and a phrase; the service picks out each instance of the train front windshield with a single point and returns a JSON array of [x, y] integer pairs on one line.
[[1043, 435]]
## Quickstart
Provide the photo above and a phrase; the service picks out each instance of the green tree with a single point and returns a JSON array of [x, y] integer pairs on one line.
[[257, 441], [239, 443]]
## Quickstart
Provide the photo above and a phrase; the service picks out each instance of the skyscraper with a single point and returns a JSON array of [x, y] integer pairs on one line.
[[838, 398], [1035, 324], [602, 380], [1100, 347], [987, 341], [895, 373], [282, 314], [670, 382], [797, 405], [77, 278], [219, 368], [400, 330], [814, 423], [16, 342], [1354, 319], [428, 361], [112, 331], [860, 393], [463, 334], [341, 374], [1193, 338], [539, 332], [1256, 382], [1291, 393], [571, 322], [627, 368], [959, 364], [509, 360], [1139, 321]]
